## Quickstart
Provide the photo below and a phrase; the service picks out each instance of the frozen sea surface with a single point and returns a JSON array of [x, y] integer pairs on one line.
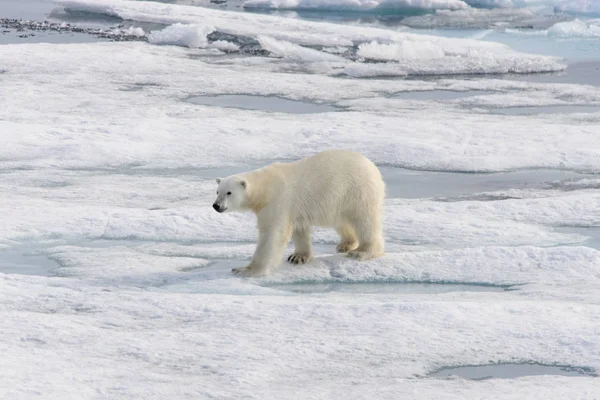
[[115, 272]]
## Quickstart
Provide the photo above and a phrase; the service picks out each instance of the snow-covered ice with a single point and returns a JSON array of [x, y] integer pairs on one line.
[[287, 38], [576, 28], [357, 5], [115, 274], [182, 35]]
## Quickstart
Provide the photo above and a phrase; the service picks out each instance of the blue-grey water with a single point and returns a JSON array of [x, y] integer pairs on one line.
[[511, 371]]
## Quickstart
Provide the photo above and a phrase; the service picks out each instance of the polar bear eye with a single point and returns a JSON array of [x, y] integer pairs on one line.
[[228, 193]]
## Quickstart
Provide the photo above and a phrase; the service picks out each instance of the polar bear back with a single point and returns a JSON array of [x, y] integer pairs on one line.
[[322, 189]]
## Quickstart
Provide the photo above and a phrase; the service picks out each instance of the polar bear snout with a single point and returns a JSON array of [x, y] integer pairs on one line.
[[218, 208]]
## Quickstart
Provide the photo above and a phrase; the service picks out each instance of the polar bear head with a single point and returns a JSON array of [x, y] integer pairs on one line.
[[231, 194]]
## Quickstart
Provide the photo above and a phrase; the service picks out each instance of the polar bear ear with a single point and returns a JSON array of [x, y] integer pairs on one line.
[[218, 180], [244, 184]]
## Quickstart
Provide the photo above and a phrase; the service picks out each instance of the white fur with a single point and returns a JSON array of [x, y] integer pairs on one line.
[[337, 188]]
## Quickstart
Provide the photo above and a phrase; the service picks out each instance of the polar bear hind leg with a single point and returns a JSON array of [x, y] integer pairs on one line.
[[348, 241], [370, 239]]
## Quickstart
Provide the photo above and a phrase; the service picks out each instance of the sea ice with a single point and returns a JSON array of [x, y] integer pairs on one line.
[[182, 35], [283, 35], [357, 5], [576, 28], [107, 170]]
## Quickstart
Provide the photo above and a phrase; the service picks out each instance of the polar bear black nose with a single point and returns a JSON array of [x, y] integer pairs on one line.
[[216, 207]]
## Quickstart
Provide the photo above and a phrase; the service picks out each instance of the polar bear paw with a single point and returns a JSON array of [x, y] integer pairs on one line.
[[360, 255], [346, 246], [299, 258]]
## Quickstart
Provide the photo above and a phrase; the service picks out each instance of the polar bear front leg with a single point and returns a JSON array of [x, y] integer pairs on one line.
[[302, 246], [268, 253]]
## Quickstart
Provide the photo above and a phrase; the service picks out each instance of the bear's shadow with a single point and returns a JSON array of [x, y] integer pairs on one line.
[[323, 260]]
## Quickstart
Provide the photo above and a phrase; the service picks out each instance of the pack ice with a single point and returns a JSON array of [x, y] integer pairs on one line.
[[107, 171]]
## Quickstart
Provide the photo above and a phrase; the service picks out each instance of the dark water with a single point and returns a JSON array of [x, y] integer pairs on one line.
[[12, 36], [19, 261], [447, 95], [440, 95], [26, 9], [450, 186], [262, 103], [561, 109], [583, 73], [592, 233]]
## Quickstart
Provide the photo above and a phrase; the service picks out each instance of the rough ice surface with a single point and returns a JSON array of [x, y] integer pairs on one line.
[[469, 18], [137, 31], [288, 37], [576, 28], [107, 180], [357, 5], [407, 50], [182, 35], [491, 145]]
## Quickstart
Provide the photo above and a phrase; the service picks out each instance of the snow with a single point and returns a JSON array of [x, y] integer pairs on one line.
[[285, 36], [191, 345], [137, 31], [293, 51], [357, 5], [576, 28], [407, 50], [470, 6], [224, 45], [167, 75], [108, 171], [182, 35]]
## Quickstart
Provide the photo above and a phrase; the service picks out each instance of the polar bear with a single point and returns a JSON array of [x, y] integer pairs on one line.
[[336, 188]]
